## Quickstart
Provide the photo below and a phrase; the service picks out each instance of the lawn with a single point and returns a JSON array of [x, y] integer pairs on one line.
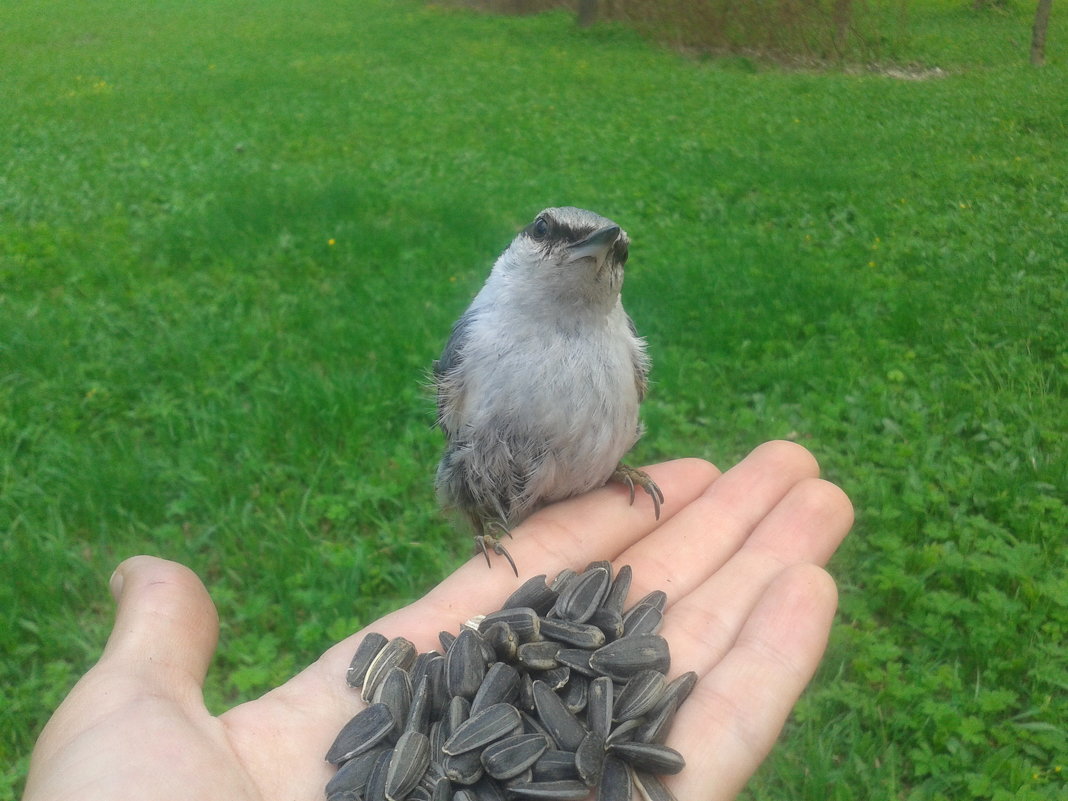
[[233, 237]]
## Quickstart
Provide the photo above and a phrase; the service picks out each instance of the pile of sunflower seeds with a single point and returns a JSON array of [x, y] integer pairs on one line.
[[559, 692]]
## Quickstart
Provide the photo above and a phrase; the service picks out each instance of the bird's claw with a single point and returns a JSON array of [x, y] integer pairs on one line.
[[498, 548], [632, 476]]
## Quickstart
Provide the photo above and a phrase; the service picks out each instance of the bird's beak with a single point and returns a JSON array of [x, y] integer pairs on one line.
[[596, 245]]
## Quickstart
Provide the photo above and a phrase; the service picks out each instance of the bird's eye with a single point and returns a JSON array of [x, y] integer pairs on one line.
[[540, 228]]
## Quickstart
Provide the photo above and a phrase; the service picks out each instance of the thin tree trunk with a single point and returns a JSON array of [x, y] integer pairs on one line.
[[1038, 33], [587, 13]]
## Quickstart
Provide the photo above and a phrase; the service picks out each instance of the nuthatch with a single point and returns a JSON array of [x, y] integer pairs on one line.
[[539, 384]]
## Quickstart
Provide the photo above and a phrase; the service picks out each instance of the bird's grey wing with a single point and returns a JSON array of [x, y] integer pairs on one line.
[[640, 361], [447, 381]]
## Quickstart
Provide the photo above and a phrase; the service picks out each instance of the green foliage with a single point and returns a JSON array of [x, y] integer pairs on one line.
[[233, 238]]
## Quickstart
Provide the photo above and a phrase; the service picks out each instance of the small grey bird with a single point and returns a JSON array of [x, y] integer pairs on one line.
[[539, 384]]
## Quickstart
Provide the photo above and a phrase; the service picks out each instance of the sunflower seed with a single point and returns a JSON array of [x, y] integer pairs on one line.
[[501, 685], [434, 774], [575, 693], [640, 695], [526, 692], [437, 697], [531, 725], [457, 713], [557, 677], [492, 723], [395, 691], [522, 619], [409, 760], [642, 619], [649, 757], [678, 689], [555, 765], [352, 775], [366, 651], [398, 652], [446, 638], [624, 731], [563, 578], [364, 731], [615, 781], [579, 635], [656, 725], [533, 593], [623, 658], [507, 758], [564, 727], [503, 640], [589, 758], [488, 652], [488, 789], [576, 659], [563, 790], [609, 621], [538, 655], [438, 735], [375, 789], [421, 665], [451, 717], [657, 598], [617, 593], [524, 777], [419, 709], [650, 788], [604, 564], [599, 705], [465, 665], [465, 768], [581, 597]]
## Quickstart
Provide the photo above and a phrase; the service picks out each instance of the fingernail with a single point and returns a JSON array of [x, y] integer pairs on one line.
[[115, 583]]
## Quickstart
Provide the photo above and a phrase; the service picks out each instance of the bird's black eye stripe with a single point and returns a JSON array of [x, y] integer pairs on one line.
[[545, 228], [539, 229]]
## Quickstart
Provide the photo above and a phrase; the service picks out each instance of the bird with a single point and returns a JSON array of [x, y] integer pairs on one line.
[[539, 383]]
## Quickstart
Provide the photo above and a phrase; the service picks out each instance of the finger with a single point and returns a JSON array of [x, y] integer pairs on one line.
[[804, 527], [602, 524], [807, 525], [598, 525], [317, 702], [144, 690], [166, 626], [681, 554], [737, 709]]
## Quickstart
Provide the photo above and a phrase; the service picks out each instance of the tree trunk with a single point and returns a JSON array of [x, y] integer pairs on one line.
[[587, 13], [1038, 33]]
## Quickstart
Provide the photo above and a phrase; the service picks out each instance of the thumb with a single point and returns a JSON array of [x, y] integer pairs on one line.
[[165, 632], [166, 626]]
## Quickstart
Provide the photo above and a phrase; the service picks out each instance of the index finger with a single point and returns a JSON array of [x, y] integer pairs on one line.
[[573, 533]]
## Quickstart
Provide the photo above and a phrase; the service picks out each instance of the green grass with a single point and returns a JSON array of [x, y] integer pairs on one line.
[[233, 238]]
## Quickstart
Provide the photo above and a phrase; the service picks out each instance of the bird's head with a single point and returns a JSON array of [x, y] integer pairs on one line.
[[568, 257]]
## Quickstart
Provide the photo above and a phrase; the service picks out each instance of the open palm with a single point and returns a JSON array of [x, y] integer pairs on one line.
[[739, 555]]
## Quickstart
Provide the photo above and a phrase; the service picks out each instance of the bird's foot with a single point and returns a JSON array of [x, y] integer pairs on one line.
[[494, 543], [631, 476]]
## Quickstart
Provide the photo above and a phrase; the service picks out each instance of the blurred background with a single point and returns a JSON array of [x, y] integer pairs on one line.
[[233, 238]]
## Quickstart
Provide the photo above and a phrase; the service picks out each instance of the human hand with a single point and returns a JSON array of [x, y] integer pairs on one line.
[[749, 610]]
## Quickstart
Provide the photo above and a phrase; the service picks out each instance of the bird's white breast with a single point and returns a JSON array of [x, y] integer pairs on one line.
[[567, 393]]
